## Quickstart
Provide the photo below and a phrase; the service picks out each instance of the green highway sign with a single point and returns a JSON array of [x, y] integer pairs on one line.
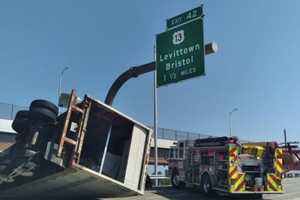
[[180, 53], [185, 17]]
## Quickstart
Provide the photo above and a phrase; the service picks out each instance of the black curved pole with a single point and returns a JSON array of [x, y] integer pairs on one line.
[[135, 71], [132, 72]]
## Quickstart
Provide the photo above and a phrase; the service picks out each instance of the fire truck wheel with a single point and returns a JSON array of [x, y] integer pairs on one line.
[[206, 186]]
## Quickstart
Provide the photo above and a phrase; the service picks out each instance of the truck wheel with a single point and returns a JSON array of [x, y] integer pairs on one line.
[[40, 103], [206, 186], [43, 114], [21, 120]]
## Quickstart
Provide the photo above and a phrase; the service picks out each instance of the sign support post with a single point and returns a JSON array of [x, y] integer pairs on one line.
[[155, 129], [179, 55]]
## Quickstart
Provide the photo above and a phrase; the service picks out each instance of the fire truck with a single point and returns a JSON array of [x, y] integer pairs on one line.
[[225, 165]]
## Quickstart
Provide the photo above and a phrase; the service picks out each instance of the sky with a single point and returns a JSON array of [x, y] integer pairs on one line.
[[255, 70]]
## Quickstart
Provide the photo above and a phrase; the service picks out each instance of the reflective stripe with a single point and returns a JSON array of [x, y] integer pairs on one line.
[[273, 183], [279, 153], [236, 179], [278, 163], [274, 179], [240, 184], [232, 150], [232, 171]]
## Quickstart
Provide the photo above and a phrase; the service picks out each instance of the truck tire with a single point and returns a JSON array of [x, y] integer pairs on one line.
[[176, 183], [40, 103], [21, 121], [206, 186], [43, 114]]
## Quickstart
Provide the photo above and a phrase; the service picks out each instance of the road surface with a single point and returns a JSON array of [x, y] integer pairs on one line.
[[291, 187]]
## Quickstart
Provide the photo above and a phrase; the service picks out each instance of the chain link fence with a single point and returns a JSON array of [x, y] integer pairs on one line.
[[171, 134], [8, 111]]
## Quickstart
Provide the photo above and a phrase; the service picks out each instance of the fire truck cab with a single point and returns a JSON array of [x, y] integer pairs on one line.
[[223, 164]]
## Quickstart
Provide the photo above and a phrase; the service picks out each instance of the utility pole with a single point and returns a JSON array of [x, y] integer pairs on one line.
[[285, 137]]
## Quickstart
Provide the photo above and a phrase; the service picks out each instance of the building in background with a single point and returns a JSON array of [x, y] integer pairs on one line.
[[7, 134], [166, 139]]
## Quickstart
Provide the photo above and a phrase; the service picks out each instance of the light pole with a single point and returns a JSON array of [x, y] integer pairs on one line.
[[230, 113], [60, 80]]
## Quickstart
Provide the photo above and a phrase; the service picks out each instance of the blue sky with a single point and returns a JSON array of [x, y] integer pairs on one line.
[[256, 68]]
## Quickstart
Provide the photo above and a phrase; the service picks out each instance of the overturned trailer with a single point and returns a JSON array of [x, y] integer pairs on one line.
[[89, 150]]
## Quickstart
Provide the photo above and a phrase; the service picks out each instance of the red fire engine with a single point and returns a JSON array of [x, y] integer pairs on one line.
[[223, 164]]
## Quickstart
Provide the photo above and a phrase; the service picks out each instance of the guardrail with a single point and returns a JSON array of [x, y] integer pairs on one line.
[[172, 134]]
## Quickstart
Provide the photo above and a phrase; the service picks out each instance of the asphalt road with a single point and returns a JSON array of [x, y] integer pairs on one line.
[[291, 187]]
